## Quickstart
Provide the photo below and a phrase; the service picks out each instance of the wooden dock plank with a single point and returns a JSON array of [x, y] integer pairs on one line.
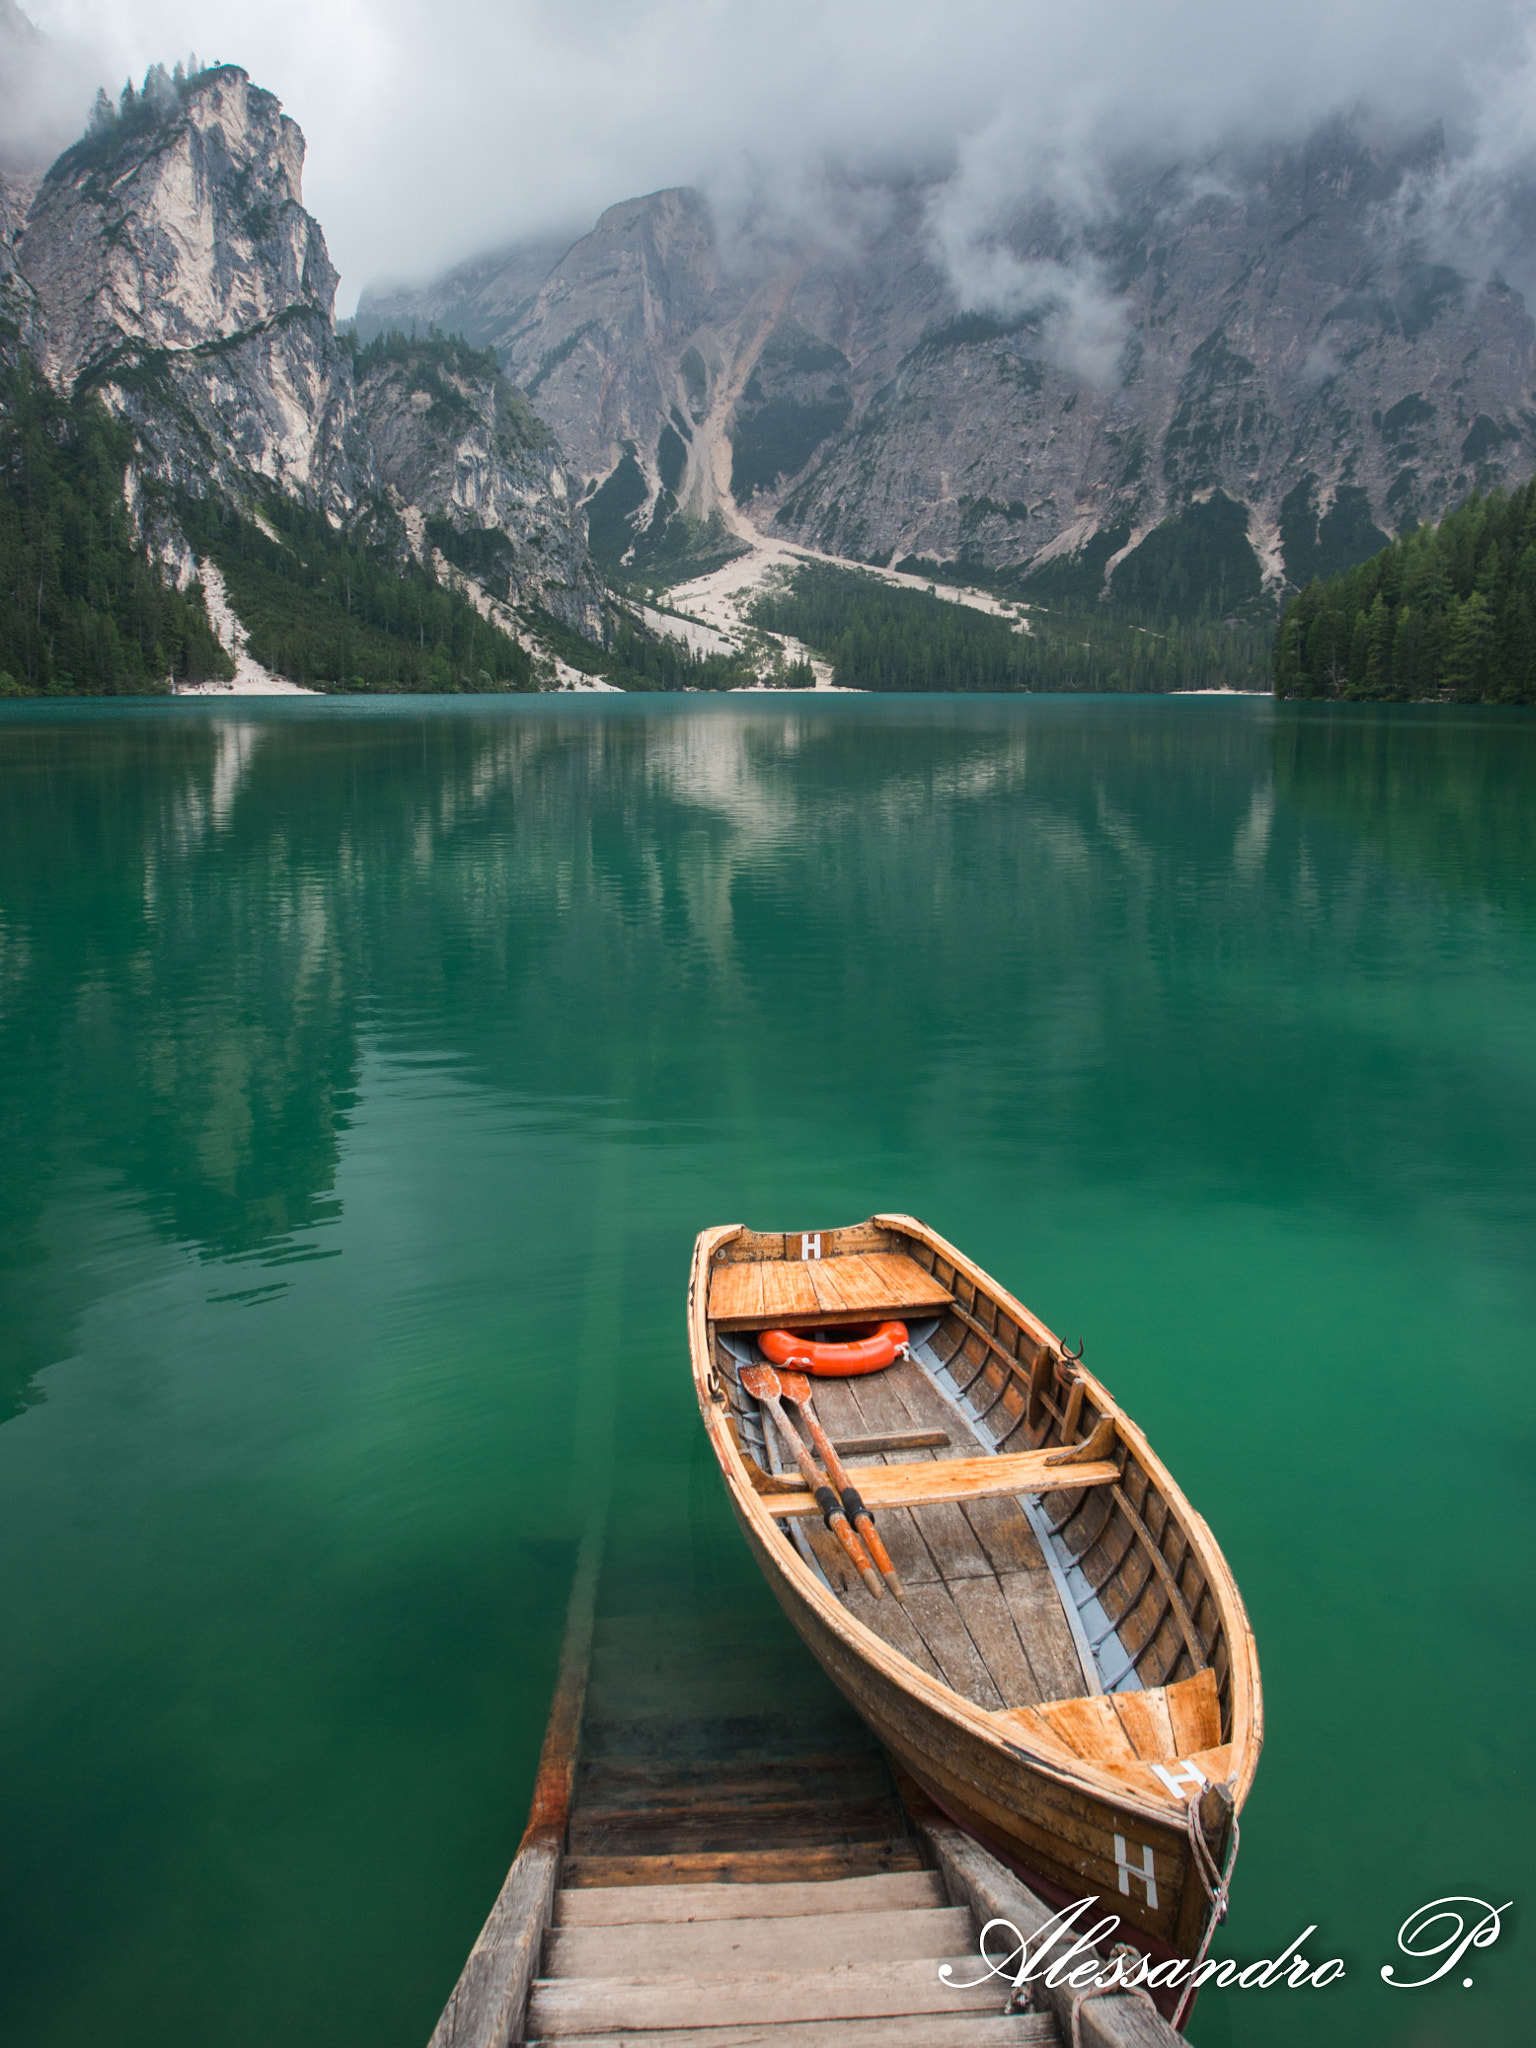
[[745, 1866], [1115, 2021], [928, 2030], [715, 1948], [714, 1824], [638, 1781], [487, 2002], [698, 1902], [562, 2006]]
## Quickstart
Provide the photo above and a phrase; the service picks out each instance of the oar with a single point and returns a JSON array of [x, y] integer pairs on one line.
[[763, 1384], [796, 1389]]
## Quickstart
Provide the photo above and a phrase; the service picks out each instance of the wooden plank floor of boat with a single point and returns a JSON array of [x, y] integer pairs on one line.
[[981, 1611], [743, 1871]]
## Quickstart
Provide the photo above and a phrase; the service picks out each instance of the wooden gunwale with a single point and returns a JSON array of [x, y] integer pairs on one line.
[[1247, 1699], [1200, 1544], [878, 1677]]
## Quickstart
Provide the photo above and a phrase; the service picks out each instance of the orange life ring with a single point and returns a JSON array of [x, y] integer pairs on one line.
[[869, 1350]]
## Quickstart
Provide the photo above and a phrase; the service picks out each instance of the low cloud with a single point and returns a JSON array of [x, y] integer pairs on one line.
[[47, 84], [438, 130], [1476, 212]]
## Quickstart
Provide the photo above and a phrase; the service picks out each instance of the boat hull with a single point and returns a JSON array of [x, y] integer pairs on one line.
[[1079, 1795]]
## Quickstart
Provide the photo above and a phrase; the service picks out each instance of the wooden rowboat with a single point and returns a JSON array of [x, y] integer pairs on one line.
[[1071, 1678]]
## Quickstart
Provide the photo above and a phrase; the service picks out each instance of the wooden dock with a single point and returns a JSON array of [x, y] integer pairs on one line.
[[742, 1874]]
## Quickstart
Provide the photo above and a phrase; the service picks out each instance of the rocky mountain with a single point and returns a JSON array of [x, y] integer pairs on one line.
[[1281, 371], [179, 275], [477, 477], [166, 265]]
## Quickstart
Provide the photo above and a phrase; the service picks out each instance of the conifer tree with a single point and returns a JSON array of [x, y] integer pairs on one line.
[[1447, 611]]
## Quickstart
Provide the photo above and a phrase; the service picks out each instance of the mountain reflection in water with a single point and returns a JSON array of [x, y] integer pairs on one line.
[[365, 1071]]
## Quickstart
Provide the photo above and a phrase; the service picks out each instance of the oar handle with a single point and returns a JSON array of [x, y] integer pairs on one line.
[[831, 1511], [863, 1521]]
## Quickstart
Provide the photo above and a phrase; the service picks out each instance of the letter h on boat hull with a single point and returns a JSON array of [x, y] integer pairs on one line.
[[1144, 1870]]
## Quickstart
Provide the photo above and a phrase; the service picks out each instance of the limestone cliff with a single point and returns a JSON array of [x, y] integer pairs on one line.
[[167, 263], [1285, 373], [634, 347], [477, 476], [180, 276], [19, 318]]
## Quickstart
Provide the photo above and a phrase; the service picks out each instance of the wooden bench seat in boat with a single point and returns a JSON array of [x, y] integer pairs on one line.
[[808, 1294], [917, 1484]]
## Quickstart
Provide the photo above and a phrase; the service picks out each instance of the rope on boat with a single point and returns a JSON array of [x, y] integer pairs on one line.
[[1217, 1881]]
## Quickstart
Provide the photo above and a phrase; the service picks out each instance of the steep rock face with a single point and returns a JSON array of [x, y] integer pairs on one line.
[[1283, 347], [1288, 377], [635, 346], [167, 263], [595, 348], [187, 229], [477, 477], [180, 275], [19, 313]]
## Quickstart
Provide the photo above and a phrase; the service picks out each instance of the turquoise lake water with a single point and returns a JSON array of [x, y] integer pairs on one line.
[[366, 1071]]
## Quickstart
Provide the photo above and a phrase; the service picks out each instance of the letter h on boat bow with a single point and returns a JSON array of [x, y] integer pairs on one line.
[[1144, 1870]]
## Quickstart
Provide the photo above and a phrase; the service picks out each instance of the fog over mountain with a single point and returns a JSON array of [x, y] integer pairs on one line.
[[1160, 311], [439, 130]]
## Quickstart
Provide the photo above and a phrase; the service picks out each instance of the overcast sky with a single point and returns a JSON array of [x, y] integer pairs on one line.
[[437, 128]]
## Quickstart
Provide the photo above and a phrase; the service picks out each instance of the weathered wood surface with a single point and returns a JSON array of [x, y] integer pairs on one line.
[[486, 2006], [961, 1562], [959, 1479], [891, 1440], [559, 2007], [700, 1902], [972, 1556], [994, 1893], [796, 1942], [926, 2030], [811, 1293], [810, 1940], [803, 1865]]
